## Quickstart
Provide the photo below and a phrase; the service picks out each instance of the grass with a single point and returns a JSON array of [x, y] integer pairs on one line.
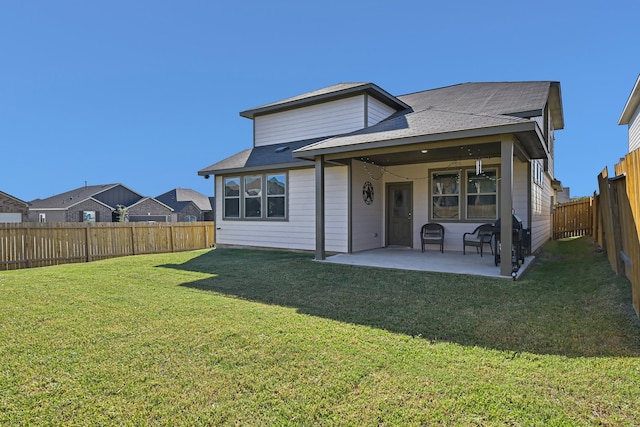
[[240, 337]]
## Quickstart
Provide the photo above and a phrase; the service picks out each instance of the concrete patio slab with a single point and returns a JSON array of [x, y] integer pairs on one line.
[[412, 259]]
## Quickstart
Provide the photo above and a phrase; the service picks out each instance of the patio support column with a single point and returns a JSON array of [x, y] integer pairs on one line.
[[320, 247], [506, 205]]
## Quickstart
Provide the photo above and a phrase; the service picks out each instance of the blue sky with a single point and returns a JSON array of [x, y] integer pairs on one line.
[[146, 93]]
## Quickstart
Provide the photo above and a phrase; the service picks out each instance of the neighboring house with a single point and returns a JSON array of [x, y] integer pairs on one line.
[[564, 196], [630, 117], [361, 169], [12, 209], [149, 209], [96, 203], [188, 205]]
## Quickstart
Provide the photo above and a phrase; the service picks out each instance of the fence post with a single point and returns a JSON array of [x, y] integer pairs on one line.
[[617, 232], [133, 239], [28, 246], [87, 244]]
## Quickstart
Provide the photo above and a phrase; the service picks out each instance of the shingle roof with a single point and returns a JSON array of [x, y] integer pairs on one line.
[[467, 109], [2, 193], [69, 198], [509, 98], [178, 198], [481, 107], [426, 122], [277, 155], [328, 93]]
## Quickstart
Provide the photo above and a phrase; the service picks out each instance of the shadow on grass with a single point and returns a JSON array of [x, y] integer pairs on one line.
[[570, 304]]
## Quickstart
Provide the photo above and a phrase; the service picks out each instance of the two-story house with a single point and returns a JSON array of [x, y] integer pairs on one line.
[[352, 167]]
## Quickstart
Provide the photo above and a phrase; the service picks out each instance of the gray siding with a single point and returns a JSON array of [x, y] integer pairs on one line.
[[327, 119], [367, 224], [377, 111]]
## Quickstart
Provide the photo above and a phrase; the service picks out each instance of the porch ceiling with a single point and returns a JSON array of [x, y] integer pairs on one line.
[[429, 155]]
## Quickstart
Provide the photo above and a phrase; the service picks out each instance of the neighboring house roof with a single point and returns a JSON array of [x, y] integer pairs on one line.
[[632, 104], [3, 194], [178, 198], [337, 91], [144, 199], [71, 198]]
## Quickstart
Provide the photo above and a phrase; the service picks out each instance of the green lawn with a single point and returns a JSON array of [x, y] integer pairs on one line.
[[239, 337]]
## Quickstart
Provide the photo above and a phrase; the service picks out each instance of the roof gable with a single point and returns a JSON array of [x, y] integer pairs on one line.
[[9, 196], [632, 104], [75, 196], [330, 93], [178, 198]]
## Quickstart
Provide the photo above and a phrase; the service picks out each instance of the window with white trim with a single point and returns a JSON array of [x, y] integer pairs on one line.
[[538, 172], [256, 196]]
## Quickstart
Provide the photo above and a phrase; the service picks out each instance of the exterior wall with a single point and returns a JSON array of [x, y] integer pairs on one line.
[[298, 232], [377, 111], [541, 215], [634, 131], [151, 209], [367, 224], [420, 176], [74, 214], [10, 205], [189, 210], [50, 216], [329, 118], [520, 193]]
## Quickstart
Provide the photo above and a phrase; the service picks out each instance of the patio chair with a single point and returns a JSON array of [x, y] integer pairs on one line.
[[481, 236], [432, 233]]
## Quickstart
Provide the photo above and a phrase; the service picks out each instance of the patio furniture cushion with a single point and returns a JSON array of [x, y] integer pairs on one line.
[[478, 238], [432, 233]]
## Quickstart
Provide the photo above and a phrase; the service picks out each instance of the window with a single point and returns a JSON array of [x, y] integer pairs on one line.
[[88, 216], [276, 194], [481, 195], [256, 196], [232, 197], [253, 196], [538, 172], [42, 217], [445, 191], [477, 199]]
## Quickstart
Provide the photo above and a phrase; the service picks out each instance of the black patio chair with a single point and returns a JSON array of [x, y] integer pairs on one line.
[[478, 238], [432, 233]]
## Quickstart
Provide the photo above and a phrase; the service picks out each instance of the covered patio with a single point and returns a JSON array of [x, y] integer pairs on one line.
[[431, 260]]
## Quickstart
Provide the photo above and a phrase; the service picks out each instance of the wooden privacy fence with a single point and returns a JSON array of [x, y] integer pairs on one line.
[[619, 217], [573, 219], [24, 245]]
